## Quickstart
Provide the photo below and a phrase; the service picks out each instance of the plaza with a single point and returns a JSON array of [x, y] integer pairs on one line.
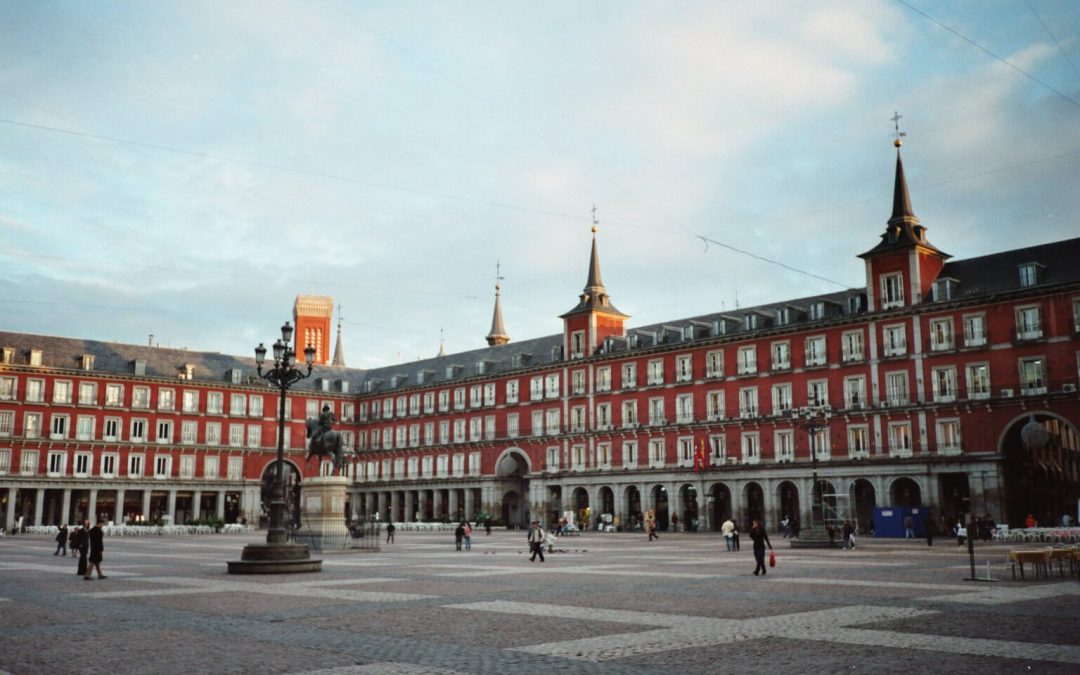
[[601, 603]]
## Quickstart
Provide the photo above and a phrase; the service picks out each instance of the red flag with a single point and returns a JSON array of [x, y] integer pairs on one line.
[[701, 456]]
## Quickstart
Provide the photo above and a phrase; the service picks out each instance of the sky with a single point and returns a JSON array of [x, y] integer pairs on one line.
[[183, 170]]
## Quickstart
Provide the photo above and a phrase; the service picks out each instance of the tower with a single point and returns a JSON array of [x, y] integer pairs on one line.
[[594, 318], [497, 336], [311, 315], [902, 268]]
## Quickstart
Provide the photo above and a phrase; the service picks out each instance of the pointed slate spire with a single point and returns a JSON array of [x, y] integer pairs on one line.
[[901, 209], [498, 335], [442, 344], [339, 353], [595, 296]]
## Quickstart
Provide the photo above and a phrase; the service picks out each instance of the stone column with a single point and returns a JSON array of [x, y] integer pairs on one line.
[[196, 504], [9, 513], [470, 503], [396, 501], [704, 509], [118, 515], [436, 505], [146, 504], [172, 507], [454, 504], [65, 514], [410, 509], [91, 508], [219, 504], [39, 504]]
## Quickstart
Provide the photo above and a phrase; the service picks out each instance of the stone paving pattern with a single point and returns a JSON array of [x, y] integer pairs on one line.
[[607, 603]]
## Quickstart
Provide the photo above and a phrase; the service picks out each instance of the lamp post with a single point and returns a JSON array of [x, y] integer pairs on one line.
[[277, 555], [814, 419], [283, 374]]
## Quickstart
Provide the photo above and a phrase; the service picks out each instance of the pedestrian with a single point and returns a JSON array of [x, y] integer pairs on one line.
[[82, 542], [650, 526], [1030, 522], [760, 539], [459, 535], [71, 542], [961, 533], [796, 527], [97, 549], [735, 536], [390, 533], [674, 522], [909, 527], [468, 537], [784, 525], [487, 526], [536, 541], [930, 527], [62, 540], [728, 530], [848, 531]]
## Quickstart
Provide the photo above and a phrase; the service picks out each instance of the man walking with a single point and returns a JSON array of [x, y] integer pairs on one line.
[[61, 541], [728, 530], [536, 541], [390, 533], [82, 543], [97, 548]]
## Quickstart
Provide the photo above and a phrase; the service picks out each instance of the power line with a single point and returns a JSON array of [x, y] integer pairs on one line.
[[1053, 37]]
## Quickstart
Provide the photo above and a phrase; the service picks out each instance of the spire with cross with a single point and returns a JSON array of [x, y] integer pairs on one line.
[[896, 125]]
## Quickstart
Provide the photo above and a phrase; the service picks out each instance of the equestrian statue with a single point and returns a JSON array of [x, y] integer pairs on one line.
[[325, 442]]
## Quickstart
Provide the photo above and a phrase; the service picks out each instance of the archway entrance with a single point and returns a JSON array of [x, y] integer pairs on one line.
[[755, 504], [865, 499], [582, 510], [788, 496], [689, 517], [721, 505], [905, 493], [511, 470], [607, 506], [512, 511], [660, 506], [633, 516], [1042, 469], [554, 505]]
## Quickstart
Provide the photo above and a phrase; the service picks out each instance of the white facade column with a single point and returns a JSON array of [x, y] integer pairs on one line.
[[65, 513], [196, 506], [118, 514], [453, 505], [219, 505], [91, 508], [436, 505], [9, 513], [410, 510], [470, 503], [146, 504], [39, 504], [172, 507]]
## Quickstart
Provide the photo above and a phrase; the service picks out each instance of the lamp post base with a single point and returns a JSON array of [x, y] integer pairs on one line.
[[274, 559], [814, 538]]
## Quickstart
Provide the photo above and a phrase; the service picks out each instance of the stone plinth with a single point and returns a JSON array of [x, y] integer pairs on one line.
[[813, 538], [323, 507], [275, 559]]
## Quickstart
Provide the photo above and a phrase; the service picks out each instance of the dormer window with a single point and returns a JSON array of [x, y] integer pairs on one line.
[[35, 357], [816, 311], [138, 367], [688, 332], [577, 344], [719, 327], [751, 322], [7, 355], [944, 289], [1029, 274], [236, 376], [186, 372], [86, 362], [854, 304], [783, 316]]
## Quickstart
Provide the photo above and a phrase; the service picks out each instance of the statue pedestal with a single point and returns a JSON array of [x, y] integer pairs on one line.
[[323, 507], [814, 537]]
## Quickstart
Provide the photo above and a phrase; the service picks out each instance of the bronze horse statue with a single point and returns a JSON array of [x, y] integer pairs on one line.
[[327, 445]]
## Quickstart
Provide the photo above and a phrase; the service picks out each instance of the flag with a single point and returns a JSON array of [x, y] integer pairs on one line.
[[701, 456]]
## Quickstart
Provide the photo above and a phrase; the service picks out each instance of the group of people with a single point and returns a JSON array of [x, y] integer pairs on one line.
[[86, 542], [463, 535]]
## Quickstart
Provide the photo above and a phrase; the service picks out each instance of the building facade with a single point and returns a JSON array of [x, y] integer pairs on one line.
[[946, 384]]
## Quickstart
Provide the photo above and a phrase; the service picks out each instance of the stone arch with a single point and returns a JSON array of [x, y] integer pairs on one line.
[[787, 496], [1040, 468], [863, 502], [690, 514], [721, 504], [512, 463], [661, 505], [754, 498], [905, 492]]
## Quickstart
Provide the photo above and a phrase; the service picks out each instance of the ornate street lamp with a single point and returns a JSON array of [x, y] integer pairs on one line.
[[278, 555], [814, 419]]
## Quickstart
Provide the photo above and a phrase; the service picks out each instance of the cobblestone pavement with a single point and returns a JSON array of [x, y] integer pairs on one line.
[[603, 603]]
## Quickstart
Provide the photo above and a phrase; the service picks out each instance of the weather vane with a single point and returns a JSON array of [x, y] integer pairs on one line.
[[896, 124], [498, 276], [595, 222]]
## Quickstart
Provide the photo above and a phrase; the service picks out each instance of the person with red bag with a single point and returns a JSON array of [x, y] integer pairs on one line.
[[760, 539]]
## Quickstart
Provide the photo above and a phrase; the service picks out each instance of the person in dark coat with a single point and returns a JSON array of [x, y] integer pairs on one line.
[[71, 541], [760, 539], [97, 548], [459, 535], [61, 541], [82, 543]]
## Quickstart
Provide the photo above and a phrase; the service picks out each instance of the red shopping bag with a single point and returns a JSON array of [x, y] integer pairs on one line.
[[772, 558]]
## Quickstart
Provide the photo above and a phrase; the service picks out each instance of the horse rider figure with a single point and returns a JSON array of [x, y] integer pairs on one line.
[[326, 423]]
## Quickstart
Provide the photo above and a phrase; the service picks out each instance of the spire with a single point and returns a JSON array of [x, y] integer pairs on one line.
[[339, 353], [593, 282], [594, 297], [901, 205], [442, 344], [498, 335]]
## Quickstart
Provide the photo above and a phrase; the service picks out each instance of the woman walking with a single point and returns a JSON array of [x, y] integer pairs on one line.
[[760, 539]]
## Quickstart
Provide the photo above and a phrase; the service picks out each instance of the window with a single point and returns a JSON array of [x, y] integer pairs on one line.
[[894, 339], [657, 452], [855, 392], [213, 433], [57, 463], [458, 464], [577, 344], [83, 462], [943, 289], [751, 447], [84, 428], [781, 355], [7, 423], [685, 452], [58, 427], [8, 387], [747, 360], [1028, 322], [254, 436], [603, 416], [896, 391], [719, 449], [948, 437], [476, 396], [28, 464], [974, 330], [630, 454], [162, 466], [1033, 375], [188, 432], [138, 431], [211, 467], [852, 345], [781, 398], [88, 393], [140, 397], [5, 461], [414, 404], [135, 466], [489, 394], [414, 434], [684, 368], [111, 430], [819, 445], [187, 466], [35, 391], [164, 431], [552, 418], [215, 403], [655, 372], [32, 425], [429, 398], [714, 405], [784, 442], [551, 385], [603, 378], [817, 393], [577, 382], [892, 290], [629, 375], [190, 401], [978, 380], [552, 463], [429, 432], [748, 402], [62, 391], [166, 399], [536, 388], [1076, 315], [858, 441], [943, 380], [236, 435], [537, 422], [512, 430], [899, 439], [684, 408], [941, 334], [656, 412], [714, 363], [444, 434], [459, 400], [815, 351], [783, 316], [577, 457], [629, 414], [235, 468], [109, 462], [1029, 275], [444, 401]]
